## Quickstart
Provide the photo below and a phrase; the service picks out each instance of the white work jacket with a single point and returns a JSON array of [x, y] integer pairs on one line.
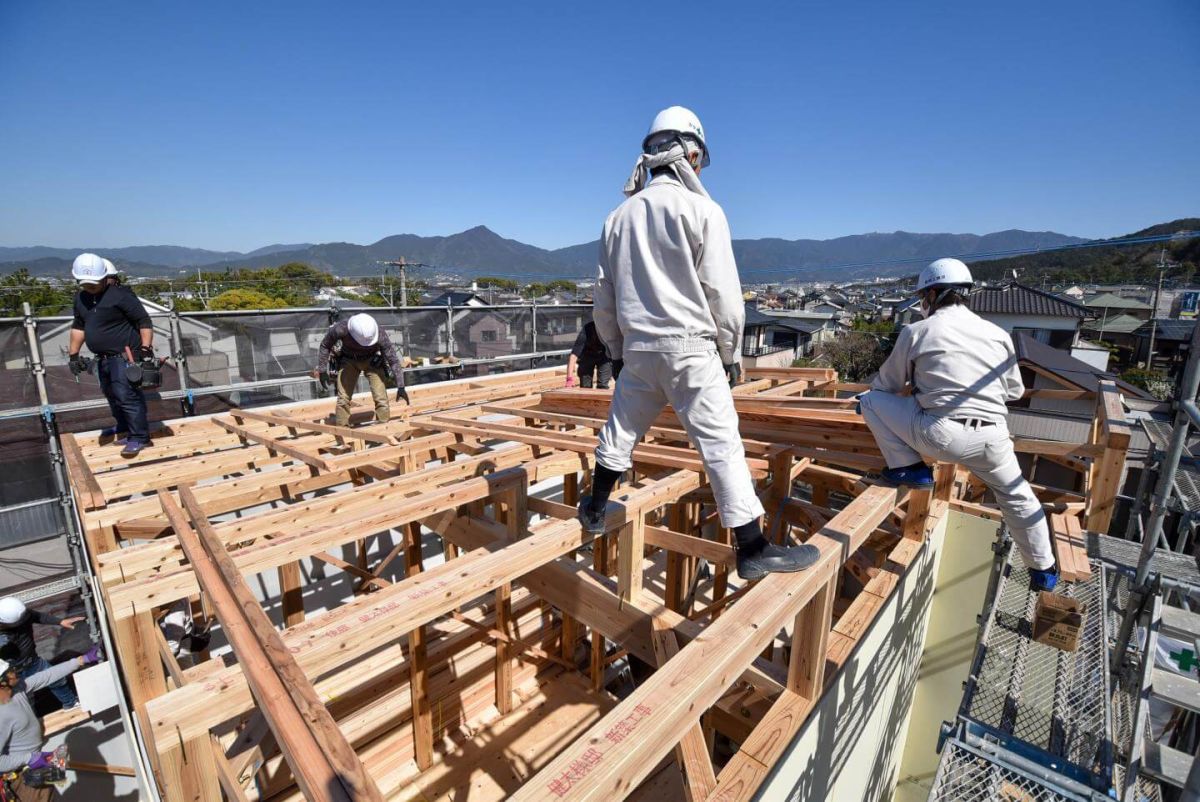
[[667, 280], [961, 365]]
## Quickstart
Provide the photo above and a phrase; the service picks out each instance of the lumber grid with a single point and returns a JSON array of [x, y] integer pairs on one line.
[[361, 700]]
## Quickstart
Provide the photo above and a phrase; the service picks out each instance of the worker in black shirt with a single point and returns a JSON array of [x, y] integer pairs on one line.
[[117, 329], [590, 356]]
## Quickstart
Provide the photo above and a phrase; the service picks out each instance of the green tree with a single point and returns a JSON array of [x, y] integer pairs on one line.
[[855, 355], [1155, 382], [245, 299], [496, 283], [44, 296]]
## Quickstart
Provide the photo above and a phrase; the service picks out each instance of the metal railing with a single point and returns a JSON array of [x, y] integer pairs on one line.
[[223, 359]]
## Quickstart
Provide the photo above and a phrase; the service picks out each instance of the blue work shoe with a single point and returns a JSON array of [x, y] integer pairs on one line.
[[132, 447], [592, 521], [919, 476], [1043, 578], [118, 436]]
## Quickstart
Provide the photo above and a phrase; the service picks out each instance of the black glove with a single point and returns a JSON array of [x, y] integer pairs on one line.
[[618, 366], [327, 378], [78, 364], [402, 393], [143, 353], [733, 372]]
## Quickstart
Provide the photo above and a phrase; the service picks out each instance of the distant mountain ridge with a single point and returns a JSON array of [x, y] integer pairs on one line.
[[155, 255], [479, 251]]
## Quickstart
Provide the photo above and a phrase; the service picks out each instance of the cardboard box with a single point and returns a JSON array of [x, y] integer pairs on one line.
[[1058, 620]]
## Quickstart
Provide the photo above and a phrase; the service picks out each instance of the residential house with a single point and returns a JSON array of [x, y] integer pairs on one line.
[[774, 341], [1171, 340], [1024, 310], [1107, 305], [1117, 331]]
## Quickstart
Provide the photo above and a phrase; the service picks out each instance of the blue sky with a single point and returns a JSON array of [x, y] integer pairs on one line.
[[233, 125]]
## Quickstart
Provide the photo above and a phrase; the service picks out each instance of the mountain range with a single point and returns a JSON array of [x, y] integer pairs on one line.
[[480, 251]]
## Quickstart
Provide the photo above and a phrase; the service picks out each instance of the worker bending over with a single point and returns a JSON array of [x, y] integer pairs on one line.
[[19, 648], [360, 346], [963, 371], [590, 358], [23, 764], [669, 304], [111, 320]]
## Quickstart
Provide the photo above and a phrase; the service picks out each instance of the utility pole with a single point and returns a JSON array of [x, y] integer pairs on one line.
[[1162, 266], [402, 266]]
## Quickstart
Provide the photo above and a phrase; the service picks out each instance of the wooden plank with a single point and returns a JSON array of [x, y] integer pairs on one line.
[[83, 481], [324, 764], [717, 553], [624, 747], [1078, 546], [273, 444], [308, 426], [692, 750]]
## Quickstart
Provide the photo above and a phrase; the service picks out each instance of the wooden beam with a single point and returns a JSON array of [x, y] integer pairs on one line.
[[308, 426], [83, 481], [340, 636], [620, 750], [273, 444], [324, 764]]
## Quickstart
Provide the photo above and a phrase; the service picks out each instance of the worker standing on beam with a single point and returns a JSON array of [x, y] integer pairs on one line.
[[28, 773], [111, 320], [590, 358], [962, 371], [360, 346], [668, 304]]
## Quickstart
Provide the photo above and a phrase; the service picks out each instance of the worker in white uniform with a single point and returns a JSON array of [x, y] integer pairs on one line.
[[942, 393], [668, 303]]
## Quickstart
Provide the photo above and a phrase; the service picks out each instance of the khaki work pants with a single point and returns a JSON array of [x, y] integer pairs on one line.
[[346, 382]]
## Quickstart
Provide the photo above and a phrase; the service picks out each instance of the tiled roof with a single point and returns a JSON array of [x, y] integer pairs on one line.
[[1017, 299], [1065, 366], [1168, 329], [757, 318], [1106, 300], [1117, 324]]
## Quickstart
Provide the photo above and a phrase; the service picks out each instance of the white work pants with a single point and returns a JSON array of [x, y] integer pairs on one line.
[[695, 385], [905, 432]]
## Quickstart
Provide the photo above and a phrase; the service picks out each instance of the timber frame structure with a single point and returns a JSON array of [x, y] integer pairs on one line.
[[522, 610]]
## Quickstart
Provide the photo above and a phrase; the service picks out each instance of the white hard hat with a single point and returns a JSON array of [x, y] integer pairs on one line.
[[363, 329], [11, 610], [678, 120], [945, 273], [89, 268], [109, 268], [4, 667]]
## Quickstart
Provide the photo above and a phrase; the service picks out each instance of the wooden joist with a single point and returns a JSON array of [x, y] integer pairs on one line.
[[325, 766]]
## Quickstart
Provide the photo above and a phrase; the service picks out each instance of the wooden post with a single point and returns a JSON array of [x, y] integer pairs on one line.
[[810, 636], [631, 548], [692, 750], [291, 596]]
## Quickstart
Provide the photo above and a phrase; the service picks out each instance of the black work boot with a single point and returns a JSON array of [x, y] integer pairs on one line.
[[771, 559], [592, 520]]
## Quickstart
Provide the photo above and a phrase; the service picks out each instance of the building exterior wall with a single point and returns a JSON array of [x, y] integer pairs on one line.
[[851, 746], [1048, 322]]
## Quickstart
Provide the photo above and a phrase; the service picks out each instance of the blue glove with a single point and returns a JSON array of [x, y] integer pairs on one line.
[[92, 656], [40, 760]]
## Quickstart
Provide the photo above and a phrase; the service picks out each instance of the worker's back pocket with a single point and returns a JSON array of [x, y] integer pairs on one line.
[[937, 431]]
